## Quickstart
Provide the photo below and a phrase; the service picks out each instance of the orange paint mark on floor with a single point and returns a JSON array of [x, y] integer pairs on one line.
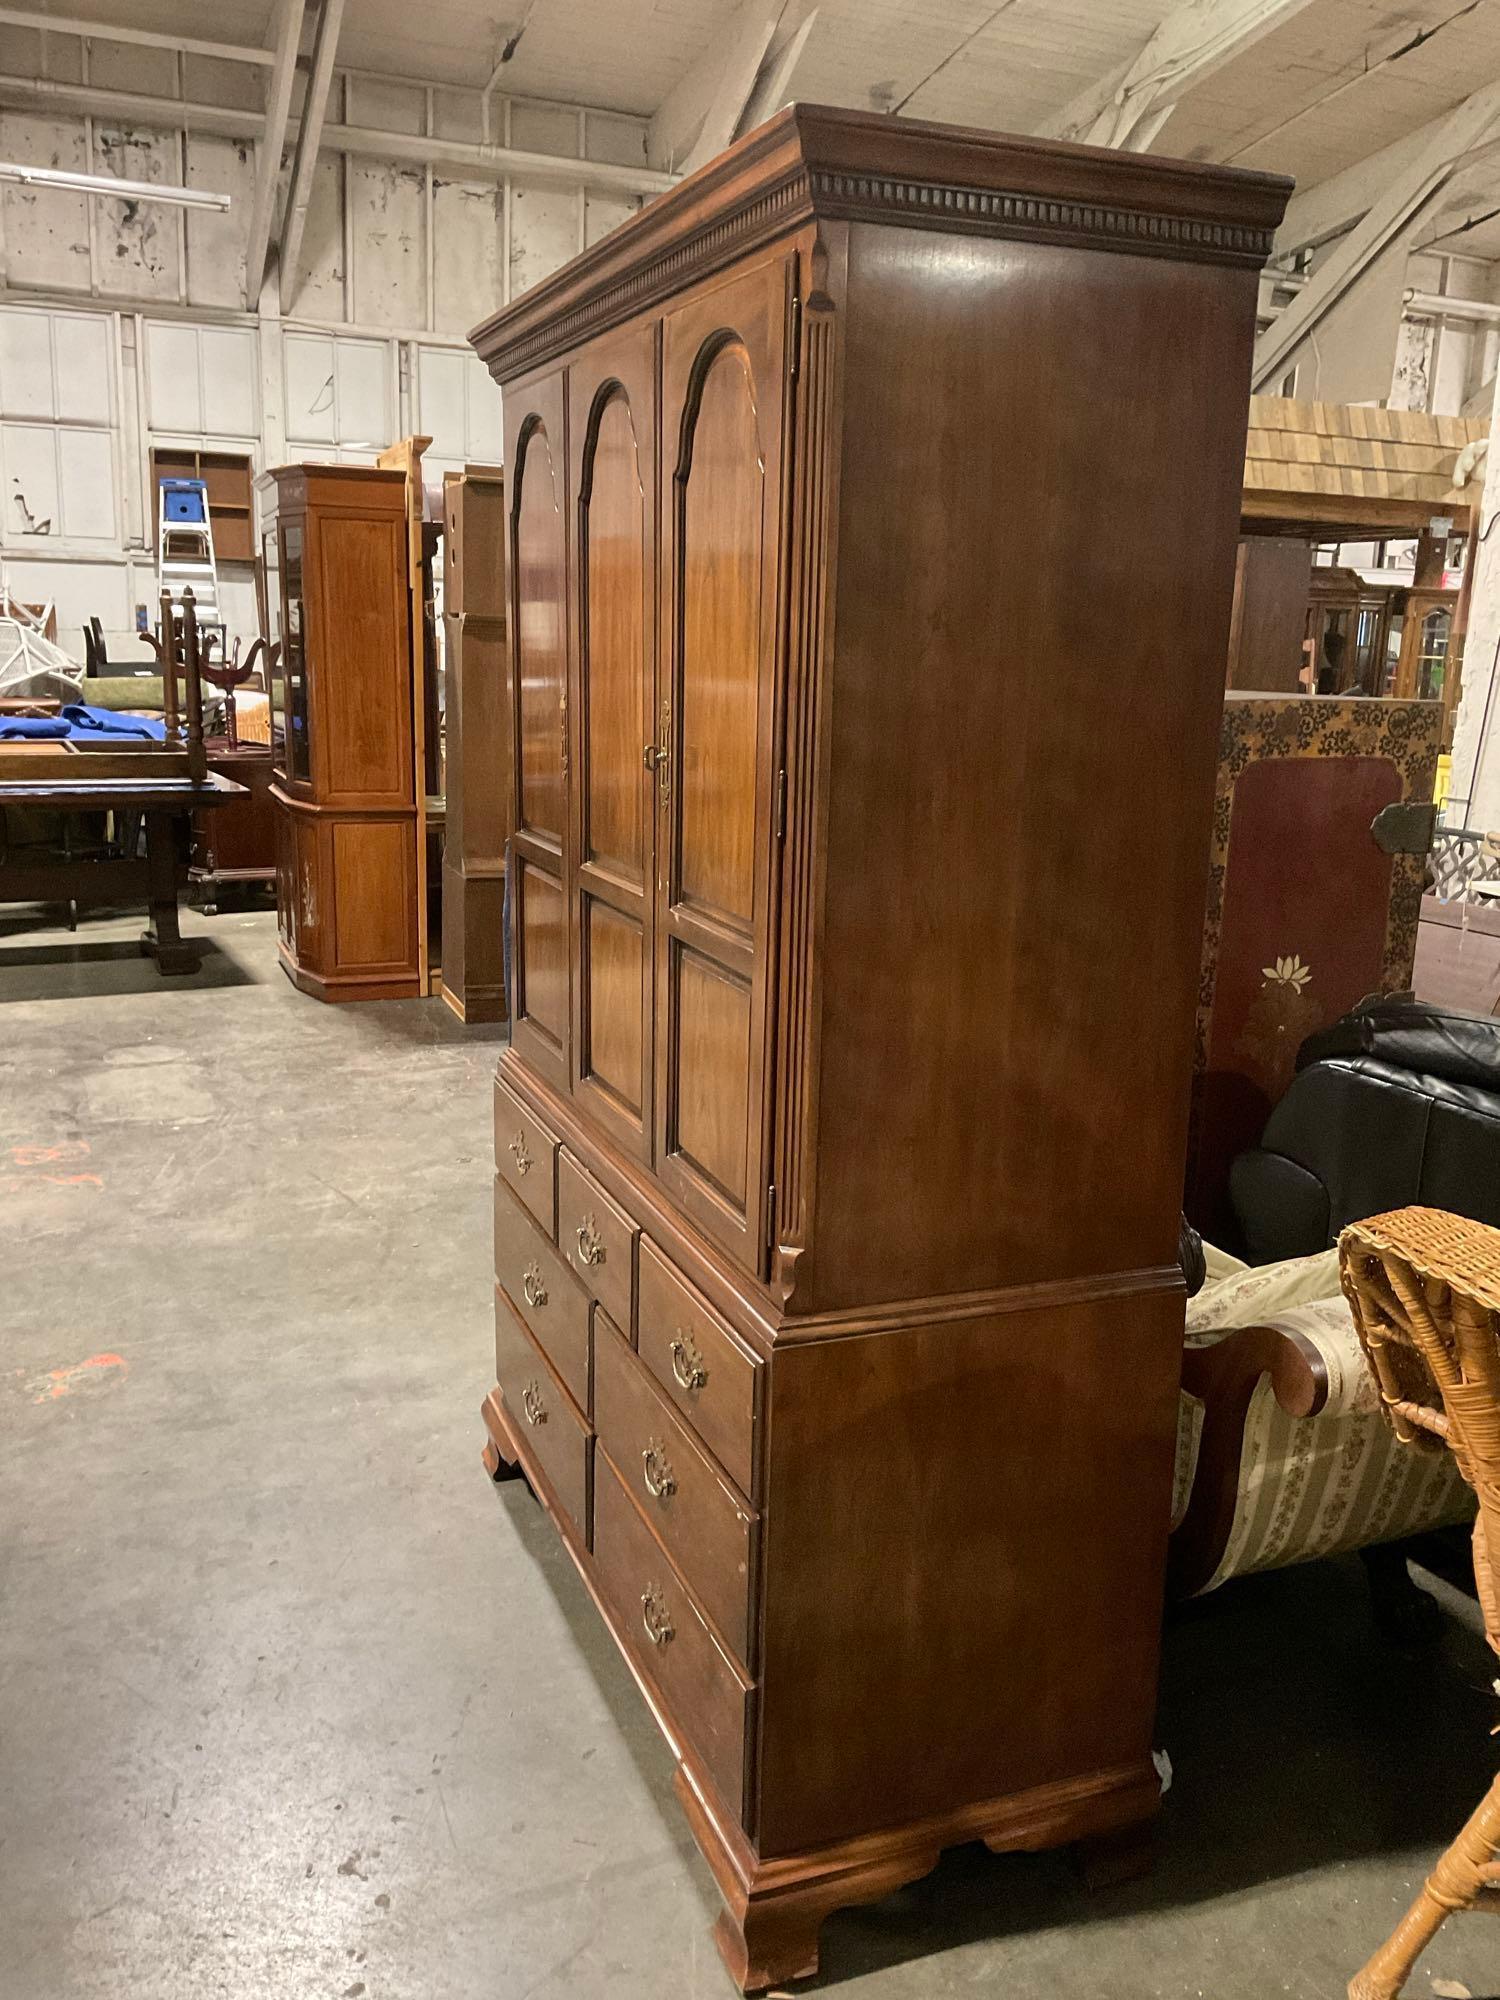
[[46, 1156], [32, 1158], [59, 1382]]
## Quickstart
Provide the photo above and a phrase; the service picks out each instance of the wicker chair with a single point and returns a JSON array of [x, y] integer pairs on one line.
[[1424, 1289]]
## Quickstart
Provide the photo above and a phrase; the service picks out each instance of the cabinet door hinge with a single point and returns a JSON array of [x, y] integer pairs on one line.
[[771, 1216], [781, 804], [795, 335]]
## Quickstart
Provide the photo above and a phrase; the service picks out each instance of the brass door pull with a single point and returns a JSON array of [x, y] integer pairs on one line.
[[661, 1481], [519, 1153], [532, 1404], [657, 757], [656, 1618], [687, 1363], [590, 1242], [532, 1287]]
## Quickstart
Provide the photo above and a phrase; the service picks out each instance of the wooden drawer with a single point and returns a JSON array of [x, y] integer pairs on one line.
[[665, 1632], [526, 1157], [707, 1371], [543, 1291], [598, 1240], [553, 1435], [697, 1515]]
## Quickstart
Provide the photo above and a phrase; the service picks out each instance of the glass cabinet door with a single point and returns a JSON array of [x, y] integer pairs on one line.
[[294, 657], [270, 551]]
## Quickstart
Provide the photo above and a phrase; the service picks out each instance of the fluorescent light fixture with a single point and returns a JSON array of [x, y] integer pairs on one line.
[[54, 177]]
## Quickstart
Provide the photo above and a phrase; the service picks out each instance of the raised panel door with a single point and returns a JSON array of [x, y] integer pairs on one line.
[[612, 439], [723, 411], [537, 559]]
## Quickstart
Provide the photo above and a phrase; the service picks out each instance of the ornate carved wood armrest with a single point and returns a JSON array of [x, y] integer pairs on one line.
[[1224, 1375]]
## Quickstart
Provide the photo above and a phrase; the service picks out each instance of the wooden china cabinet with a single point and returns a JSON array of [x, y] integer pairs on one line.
[[333, 541], [868, 616]]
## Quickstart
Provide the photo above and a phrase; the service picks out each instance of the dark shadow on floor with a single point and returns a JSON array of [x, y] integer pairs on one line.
[[1291, 1727], [84, 969]]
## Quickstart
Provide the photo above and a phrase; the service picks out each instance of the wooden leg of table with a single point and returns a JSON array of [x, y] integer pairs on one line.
[[162, 940]]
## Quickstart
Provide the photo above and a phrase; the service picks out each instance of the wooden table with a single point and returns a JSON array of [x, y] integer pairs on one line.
[[167, 805]]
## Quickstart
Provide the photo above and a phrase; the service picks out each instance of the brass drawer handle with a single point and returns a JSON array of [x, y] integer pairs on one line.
[[590, 1242], [532, 1287], [519, 1153], [687, 1363], [532, 1404], [661, 1481], [655, 1617]]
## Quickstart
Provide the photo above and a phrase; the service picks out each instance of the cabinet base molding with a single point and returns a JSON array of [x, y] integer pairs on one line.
[[397, 986], [475, 1008], [767, 1932]]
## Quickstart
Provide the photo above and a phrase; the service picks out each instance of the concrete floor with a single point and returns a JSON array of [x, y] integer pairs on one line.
[[293, 1703]]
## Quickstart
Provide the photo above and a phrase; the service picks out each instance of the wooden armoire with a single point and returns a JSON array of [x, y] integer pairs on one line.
[[334, 549], [871, 516]]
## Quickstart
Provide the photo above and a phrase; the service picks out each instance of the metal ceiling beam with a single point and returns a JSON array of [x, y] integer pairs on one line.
[[467, 160], [148, 38], [309, 139], [271, 144], [1129, 107], [699, 115], [1388, 223], [773, 84], [173, 114]]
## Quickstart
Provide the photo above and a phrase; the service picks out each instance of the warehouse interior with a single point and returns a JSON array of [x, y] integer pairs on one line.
[[750, 969]]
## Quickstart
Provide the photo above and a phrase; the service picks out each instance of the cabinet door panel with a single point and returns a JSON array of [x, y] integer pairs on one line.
[[612, 429], [723, 412], [537, 554], [721, 554]]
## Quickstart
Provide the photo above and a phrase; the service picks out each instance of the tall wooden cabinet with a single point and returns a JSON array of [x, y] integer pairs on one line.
[[872, 512], [334, 541]]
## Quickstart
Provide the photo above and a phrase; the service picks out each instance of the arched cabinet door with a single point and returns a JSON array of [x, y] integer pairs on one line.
[[723, 400], [612, 441], [536, 527]]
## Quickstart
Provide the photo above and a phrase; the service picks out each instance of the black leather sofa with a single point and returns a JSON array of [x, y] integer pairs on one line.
[[1398, 1102]]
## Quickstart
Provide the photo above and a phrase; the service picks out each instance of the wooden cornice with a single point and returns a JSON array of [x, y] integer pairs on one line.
[[812, 161]]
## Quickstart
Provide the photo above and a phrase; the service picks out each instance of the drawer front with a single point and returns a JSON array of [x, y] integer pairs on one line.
[[526, 1157], [709, 1374], [549, 1429], [698, 1517], [667, 1635], [598, 1240], [544, 1292]]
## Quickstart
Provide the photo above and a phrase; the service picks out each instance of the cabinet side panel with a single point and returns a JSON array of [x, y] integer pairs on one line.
[[364, 695], [963, 1549], [1041, 466]]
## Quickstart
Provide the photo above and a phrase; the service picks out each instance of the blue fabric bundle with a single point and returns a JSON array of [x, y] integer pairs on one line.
[[21, 728], [84, 720]]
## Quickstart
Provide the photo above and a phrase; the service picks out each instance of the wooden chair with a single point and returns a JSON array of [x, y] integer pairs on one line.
[[1424, 1288]]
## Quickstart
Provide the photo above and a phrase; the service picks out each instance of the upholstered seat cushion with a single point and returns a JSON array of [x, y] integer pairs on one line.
[[1309, 1486]]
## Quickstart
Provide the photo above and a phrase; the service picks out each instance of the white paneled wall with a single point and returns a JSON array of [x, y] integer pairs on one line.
[[123, 324]]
